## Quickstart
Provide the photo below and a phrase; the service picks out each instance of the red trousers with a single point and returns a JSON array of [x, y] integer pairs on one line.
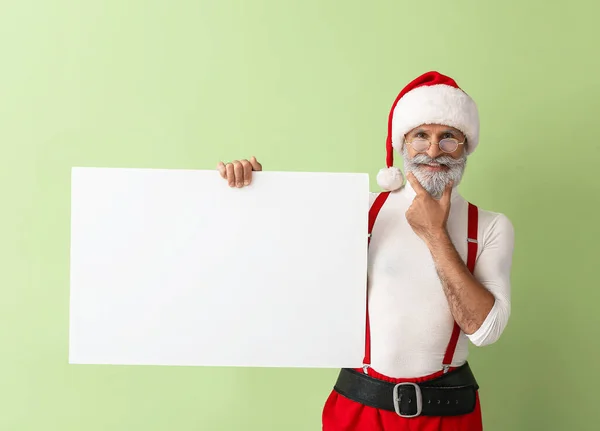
[[343, 414]]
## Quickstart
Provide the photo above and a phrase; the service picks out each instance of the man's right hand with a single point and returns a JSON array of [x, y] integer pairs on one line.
[[239, 172]]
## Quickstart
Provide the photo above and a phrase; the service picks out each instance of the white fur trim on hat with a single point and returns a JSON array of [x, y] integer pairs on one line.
[[436, 104], [390, 178]]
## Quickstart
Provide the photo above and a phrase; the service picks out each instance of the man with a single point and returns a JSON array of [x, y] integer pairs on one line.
[[438, 273]]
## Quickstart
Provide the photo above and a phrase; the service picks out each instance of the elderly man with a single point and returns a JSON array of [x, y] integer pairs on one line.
[[438, 273]]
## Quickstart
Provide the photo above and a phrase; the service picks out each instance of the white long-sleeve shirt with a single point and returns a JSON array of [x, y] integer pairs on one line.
[[410, 318]]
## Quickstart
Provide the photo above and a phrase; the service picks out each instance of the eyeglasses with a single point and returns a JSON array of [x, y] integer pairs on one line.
[[448, 145]]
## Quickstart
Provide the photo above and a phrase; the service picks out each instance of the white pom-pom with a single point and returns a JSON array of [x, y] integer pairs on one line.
[[390, 178]]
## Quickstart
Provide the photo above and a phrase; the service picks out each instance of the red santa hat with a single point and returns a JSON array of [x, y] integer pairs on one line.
[[432, 98]]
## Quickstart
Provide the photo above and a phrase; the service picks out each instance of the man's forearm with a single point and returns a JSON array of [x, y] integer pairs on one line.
[[470, 302]]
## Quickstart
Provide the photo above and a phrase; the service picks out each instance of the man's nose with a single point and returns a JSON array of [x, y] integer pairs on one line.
[[434, 150]]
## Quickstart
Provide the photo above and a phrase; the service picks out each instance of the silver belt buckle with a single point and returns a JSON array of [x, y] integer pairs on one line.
[[419, 399]]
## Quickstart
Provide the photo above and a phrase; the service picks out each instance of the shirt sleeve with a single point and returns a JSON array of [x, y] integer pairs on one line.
[[372, 197], [493, 269]]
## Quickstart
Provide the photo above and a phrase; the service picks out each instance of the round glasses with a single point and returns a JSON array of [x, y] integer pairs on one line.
[[448, 145]]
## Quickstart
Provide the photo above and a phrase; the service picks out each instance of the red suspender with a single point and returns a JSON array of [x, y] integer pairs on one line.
[[373, 212], [472, 237], [472, 225], [471, 257]]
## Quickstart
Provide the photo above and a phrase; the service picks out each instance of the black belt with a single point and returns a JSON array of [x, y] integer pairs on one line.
[[451, 394]]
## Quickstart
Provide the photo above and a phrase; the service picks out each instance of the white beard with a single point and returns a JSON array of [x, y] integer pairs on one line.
[[435, 182]]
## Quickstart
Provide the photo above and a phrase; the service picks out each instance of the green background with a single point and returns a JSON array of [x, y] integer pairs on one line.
[[304, 85]]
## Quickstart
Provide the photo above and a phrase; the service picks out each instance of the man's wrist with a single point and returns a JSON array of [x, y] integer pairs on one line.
[[438, 237]]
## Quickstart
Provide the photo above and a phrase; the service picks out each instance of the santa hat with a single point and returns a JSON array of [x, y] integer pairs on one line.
[[432, 98]]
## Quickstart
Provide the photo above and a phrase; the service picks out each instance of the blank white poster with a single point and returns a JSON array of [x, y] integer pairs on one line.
[[174, 267]]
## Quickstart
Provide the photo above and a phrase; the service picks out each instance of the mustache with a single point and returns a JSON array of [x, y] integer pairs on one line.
[[423, 159]]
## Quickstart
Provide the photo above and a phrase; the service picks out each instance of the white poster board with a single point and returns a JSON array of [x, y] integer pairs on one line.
[[174, 267]]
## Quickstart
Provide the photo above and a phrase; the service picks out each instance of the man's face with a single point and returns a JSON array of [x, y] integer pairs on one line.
[[433, 167]]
